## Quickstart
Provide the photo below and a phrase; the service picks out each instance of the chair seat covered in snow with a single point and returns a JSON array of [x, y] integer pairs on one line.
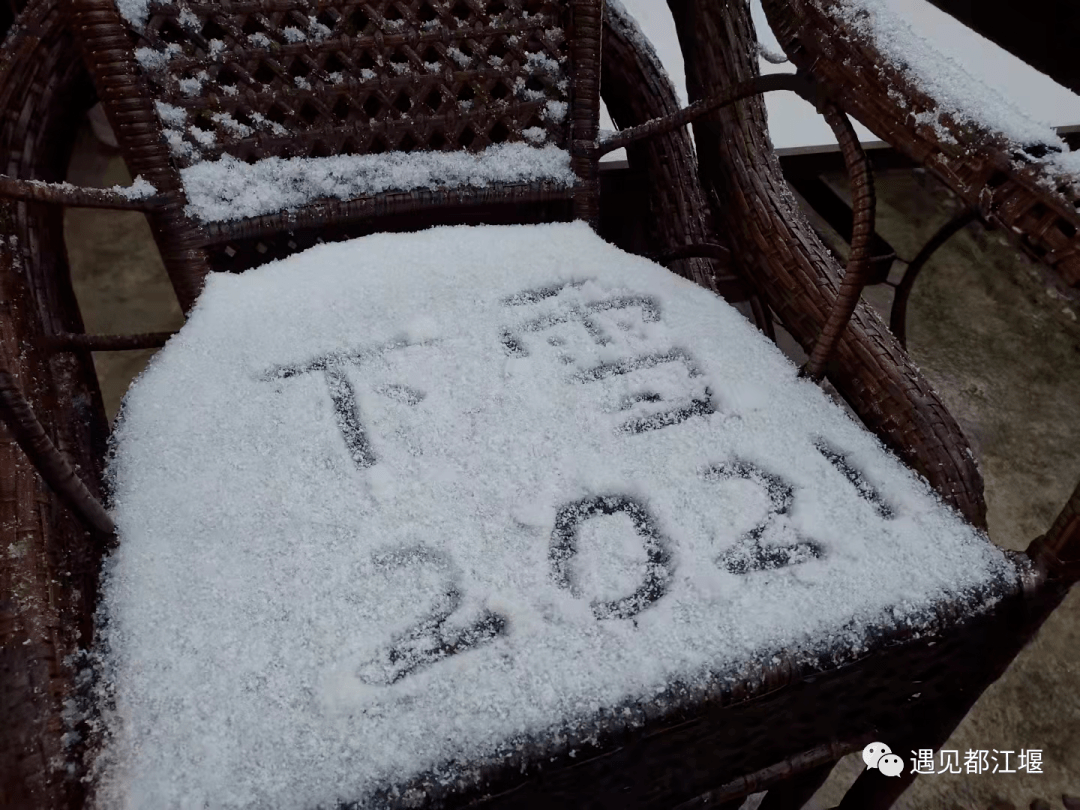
[[393, 508]]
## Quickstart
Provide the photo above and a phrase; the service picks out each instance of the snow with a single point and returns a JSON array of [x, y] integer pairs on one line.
[[411, 500], [135, 12], [140, 188], [170, 115], [293, 34], [914, 37], [228, 188], [555, 110]]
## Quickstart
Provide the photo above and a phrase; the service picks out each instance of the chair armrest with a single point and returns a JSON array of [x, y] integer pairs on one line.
[[67, 194], [795, 82], [69, 341]]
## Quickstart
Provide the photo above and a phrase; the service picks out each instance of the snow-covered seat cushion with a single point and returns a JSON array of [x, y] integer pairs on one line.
[[409, 500]]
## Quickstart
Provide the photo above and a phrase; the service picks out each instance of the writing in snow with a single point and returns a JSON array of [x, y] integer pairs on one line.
[[980, 760]]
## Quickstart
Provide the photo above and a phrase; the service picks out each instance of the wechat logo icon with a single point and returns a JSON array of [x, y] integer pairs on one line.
[[879, 755]]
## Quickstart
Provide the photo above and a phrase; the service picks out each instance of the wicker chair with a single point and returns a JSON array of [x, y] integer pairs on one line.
[[1005, 187], [685, 744]]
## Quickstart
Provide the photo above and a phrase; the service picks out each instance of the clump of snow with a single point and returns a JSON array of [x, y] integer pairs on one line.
[[178, 146], [412, 500], [171, 115], [231, 189], [463, 60], [203, 137], [135, 12], [535, 135], [192, 85], [188, 19], [139, 189], [231, 125], [317, 30], [155, 60], [293, 34], [555, 111], [774, 57], [262, 121], [542, 62], [527, 93]]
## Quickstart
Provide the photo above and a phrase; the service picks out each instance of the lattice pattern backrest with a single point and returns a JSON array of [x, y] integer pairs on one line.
[[292, 78]]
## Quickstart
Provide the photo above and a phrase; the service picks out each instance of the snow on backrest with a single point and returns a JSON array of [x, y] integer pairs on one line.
[[294, 79]]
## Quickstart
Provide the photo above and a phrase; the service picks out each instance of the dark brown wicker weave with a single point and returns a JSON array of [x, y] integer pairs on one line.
[[48, 588], [717, 742]]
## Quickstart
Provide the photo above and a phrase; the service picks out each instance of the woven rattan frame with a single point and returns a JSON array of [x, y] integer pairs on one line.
[[48, 586], [361, 77]]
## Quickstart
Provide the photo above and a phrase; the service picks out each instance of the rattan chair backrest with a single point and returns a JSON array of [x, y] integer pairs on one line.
[[190, 82], [292, 78]]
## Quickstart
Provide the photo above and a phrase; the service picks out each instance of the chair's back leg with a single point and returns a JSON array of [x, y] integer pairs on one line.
[[1057, 552], [587, 20]]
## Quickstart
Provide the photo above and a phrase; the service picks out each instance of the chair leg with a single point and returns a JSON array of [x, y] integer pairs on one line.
[[795, 792], [898, 315], [875, 791]]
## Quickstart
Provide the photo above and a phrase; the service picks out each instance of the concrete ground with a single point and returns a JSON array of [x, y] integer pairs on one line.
[[1003, 352]]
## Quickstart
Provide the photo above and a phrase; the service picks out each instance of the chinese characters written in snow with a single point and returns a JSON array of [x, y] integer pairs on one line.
[[765, 546]]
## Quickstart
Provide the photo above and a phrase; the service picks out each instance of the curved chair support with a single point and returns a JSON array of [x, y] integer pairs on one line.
[[636, 90], [862, 231], [898, 313], [19, 417], [797, 83]]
